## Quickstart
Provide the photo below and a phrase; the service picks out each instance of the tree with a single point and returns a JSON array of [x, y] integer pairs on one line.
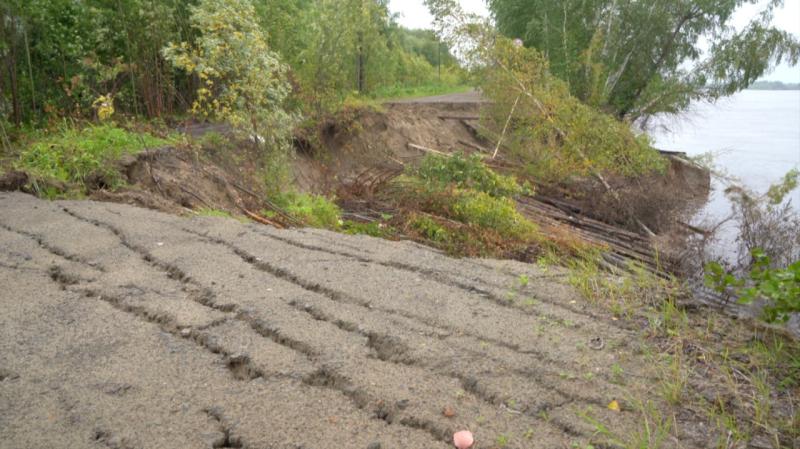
[[242, 81], [637, 59]]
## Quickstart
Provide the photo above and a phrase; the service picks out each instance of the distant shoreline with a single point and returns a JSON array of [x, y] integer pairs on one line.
[[774, 85]]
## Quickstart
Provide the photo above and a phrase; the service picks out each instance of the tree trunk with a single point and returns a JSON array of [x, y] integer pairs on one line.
[[360, 64]]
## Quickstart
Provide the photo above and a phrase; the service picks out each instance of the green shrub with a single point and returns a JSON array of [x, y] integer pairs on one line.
[[314, 210], [72, 155], [780, 287], [498, 214], [429, 229], [466, 172]]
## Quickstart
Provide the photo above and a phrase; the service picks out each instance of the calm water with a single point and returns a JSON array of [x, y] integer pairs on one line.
[[754, 136]]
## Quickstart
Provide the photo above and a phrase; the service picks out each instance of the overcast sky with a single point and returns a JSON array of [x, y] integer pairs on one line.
[[414, 14]]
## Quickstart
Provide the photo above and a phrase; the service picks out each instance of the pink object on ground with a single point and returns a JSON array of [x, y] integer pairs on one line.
[[463, 439]]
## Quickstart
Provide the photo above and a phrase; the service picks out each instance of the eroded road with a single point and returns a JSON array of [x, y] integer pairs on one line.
[[127, 328]]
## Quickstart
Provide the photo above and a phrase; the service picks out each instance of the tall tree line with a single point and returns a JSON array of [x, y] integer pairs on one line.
[[58, 56]]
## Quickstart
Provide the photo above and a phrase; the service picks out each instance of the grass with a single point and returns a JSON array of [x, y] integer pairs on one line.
[[314, 210], [428, 90], [72, 157], [373, 229], [744, 379], [461, 206]]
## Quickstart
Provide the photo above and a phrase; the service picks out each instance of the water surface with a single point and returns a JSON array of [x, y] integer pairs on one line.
[[754, 136]]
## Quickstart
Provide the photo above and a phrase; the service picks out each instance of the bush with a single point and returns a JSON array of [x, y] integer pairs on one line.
[[73, 155], [780, 288], [314, 210], [429, 229], [486, 211], [466, 172], [551, 133]]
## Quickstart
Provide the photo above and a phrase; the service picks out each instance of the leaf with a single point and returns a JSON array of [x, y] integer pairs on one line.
[[614, 406]]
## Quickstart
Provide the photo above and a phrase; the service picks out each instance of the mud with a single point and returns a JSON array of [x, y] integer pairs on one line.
[[128, 328]]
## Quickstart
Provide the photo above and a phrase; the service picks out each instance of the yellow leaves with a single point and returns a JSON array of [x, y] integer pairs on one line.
[[614, 406], [104, 105]]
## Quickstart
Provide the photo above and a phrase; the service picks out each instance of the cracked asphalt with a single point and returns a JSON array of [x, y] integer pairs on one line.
[[127, 328]]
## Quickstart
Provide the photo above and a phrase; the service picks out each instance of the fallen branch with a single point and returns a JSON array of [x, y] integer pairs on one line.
[[459, 117], [427, 150], [476, 147], [505, 128], [255, 217]]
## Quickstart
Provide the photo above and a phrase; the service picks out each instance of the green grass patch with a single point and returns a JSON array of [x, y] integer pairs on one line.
[[428, 90], [73, 155], [314, 210], [460, 205], [466, 172], [373, 229]]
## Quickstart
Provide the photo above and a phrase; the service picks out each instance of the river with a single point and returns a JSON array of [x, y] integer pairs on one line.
[[754, 137]]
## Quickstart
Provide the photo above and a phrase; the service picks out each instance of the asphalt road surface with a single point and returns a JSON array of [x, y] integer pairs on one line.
[[127, 328]]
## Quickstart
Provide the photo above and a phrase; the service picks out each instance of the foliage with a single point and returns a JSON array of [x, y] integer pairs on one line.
[[73, 155], [767, 223], [466, 172], [372, 229], [486, 211], [777, 192], [242, 81], [314, 210], [551, 132], [779, 287], [637, 59], [355, 47], [460, 205], [58, 56]]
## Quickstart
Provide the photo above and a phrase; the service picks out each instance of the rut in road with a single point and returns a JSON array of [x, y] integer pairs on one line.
[[324, 340]]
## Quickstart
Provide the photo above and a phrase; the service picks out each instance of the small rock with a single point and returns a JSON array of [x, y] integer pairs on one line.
[[448, 412], [186, 332], [374, 445], [402, 404]]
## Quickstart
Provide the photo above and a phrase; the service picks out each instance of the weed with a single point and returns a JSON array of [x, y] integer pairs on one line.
[[654, 428], [465, 172], [502, 440], [430, 229], [73, 156], [373, 229], [314, 210], [524, 280], [617, 374]]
